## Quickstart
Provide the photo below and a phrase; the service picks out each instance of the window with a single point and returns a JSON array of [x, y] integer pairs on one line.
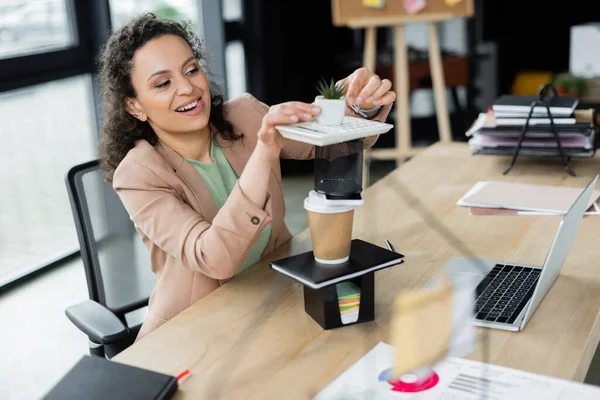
[[122, 11], [232, 10], [235, 56], [36, 26], [235, 68], [47, 129]]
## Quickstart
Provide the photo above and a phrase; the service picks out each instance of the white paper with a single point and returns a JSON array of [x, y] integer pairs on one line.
[[476, 187], [458, 379]]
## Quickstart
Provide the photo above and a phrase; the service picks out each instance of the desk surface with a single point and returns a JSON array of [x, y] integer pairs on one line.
[[252, 339]]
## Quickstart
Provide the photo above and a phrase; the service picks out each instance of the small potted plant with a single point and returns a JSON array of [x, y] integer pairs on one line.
[[568, 84], [332, 103]]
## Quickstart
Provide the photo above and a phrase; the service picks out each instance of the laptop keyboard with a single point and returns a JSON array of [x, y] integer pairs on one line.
[[503, 293]]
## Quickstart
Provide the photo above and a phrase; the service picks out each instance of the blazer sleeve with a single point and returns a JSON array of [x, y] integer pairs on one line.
[[293, 149], [216, 250]]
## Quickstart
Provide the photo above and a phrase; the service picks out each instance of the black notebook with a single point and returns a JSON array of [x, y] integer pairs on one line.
[[559, 105], [364, 258], [96, 378]]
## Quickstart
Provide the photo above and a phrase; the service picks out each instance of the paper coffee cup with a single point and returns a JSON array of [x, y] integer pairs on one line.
[[330, 230]]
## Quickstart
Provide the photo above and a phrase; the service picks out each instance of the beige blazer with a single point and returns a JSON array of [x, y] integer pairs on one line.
[[194, 246]]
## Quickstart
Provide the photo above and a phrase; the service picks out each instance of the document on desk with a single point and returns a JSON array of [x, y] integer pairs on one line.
[[594, 209], [525, 199], [453, 379]]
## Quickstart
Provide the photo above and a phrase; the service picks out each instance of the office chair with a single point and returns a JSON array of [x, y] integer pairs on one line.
[[117, 265]]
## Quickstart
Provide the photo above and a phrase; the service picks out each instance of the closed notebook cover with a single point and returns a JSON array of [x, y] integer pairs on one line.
[[579, 153], [585, 124], [96, 378], [364, 257], [526, 197], [559, 105]]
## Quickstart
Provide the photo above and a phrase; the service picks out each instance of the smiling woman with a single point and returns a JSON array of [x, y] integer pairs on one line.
[[200, 178], [139, 79]]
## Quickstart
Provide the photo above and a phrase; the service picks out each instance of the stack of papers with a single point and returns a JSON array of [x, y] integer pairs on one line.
[[508, 198], [349, 301], [454, 378], [498, 134]]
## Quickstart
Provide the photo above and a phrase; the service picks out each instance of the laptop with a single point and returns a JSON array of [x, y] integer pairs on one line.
[[508, 294]]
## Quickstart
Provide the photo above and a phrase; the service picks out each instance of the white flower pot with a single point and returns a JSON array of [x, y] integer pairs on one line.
[[332, 111]]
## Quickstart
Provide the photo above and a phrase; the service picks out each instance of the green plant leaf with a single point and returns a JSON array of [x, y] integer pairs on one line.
[[330, 90]]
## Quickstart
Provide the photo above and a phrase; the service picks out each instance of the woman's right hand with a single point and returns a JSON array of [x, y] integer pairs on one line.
[[270, 140]]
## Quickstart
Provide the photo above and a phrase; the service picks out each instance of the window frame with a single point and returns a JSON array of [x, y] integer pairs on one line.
[[92, 27], [91, 24]]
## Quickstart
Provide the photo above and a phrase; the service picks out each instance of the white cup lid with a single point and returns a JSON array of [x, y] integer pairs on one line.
[[317, 202]]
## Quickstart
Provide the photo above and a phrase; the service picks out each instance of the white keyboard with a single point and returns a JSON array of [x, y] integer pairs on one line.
[[322, 135]]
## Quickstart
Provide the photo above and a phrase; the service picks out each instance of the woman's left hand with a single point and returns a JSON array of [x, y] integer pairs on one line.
[[367, 90]]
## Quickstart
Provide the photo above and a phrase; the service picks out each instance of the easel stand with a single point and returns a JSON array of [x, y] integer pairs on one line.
[[541, 101], [404, 148]]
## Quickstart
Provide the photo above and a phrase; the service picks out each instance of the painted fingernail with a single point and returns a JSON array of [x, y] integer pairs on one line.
[[293, 118], [307, 116], [358, 101], [316, 110]]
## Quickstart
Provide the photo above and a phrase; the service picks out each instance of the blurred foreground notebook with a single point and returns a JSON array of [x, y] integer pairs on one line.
[[523, 197], [96, 378]]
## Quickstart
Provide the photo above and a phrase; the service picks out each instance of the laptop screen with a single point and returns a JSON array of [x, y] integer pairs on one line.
[[560, 246]]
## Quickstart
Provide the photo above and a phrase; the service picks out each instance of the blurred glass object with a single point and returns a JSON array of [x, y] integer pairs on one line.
[[235, 62], [232, 9], [35, 26], [45, 130], [122, 11]]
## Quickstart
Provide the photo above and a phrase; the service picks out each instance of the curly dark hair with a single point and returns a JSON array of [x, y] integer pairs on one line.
[[121, 129]]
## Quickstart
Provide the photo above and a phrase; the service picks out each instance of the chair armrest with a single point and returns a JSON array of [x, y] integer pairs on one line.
[[97, 322]]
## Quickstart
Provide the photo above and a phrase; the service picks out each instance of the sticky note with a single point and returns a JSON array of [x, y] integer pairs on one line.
[[349, 301], [374, 3], [421, 327], [414, 6]]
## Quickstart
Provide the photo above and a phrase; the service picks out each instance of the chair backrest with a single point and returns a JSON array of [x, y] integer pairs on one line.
[[117, 264]]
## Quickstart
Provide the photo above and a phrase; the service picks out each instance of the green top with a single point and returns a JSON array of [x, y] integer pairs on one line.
[[220, 178]]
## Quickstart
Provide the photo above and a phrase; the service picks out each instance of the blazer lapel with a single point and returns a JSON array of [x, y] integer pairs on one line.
[[235, 152], [190, 176]]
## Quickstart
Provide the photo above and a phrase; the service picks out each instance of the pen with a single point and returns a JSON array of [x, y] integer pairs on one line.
[[389, 245], [183, 375]]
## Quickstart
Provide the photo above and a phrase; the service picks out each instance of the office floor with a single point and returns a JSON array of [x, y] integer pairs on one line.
[[38, 344]]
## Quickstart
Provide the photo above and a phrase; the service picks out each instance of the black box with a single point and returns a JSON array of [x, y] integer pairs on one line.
[[319, 280]]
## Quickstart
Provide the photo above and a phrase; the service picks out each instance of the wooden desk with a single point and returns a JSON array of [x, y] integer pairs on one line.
[[251, 339]]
